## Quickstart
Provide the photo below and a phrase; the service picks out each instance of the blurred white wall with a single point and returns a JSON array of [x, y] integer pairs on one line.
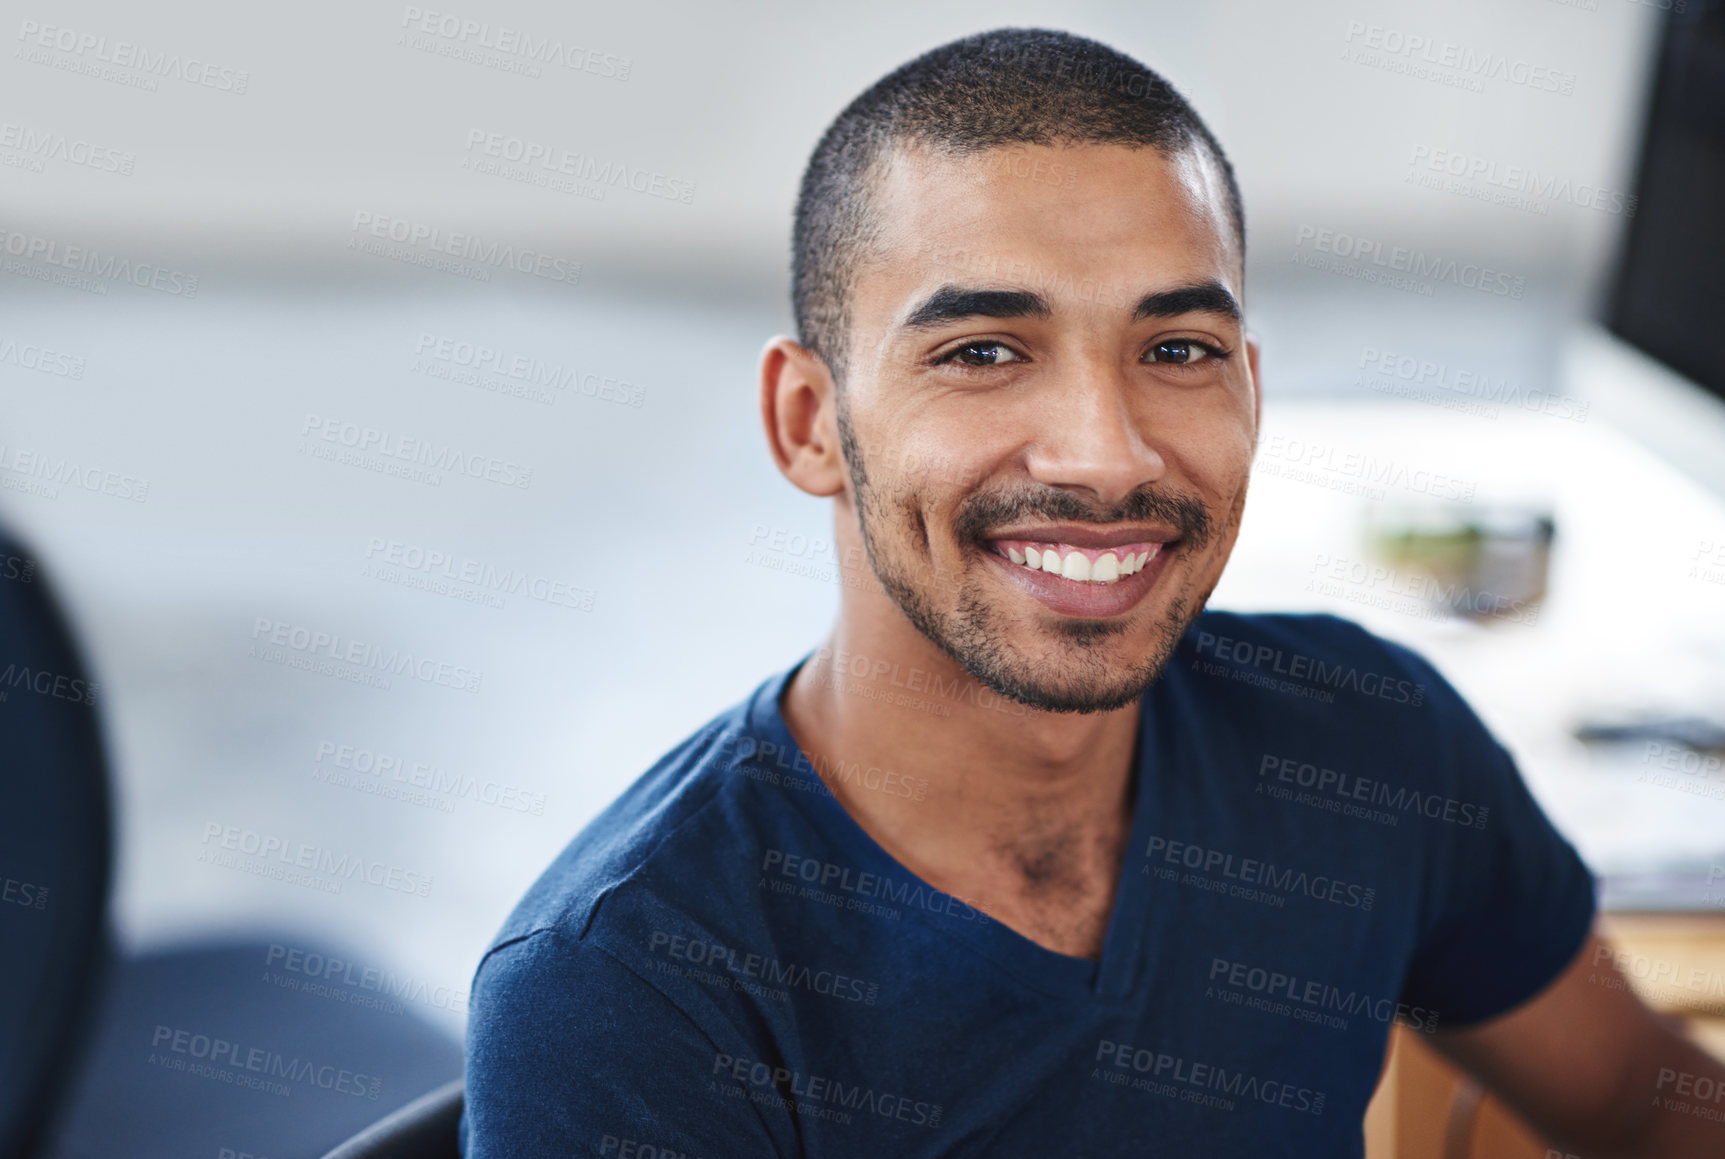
[[342, 113]]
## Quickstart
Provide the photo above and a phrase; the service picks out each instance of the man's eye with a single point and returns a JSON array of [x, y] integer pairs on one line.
[[982, 354], [1180, 351]]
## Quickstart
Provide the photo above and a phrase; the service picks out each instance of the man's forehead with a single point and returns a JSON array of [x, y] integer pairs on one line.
[[916, 182], [1079, 225]]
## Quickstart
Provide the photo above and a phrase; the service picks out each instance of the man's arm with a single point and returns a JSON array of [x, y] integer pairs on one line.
[[1588, 1064], [570, 1053]]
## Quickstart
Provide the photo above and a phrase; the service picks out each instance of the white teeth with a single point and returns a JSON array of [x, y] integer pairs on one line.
[[1109, 567]]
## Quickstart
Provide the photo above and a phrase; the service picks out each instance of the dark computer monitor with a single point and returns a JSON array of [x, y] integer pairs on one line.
[[1668, 295]]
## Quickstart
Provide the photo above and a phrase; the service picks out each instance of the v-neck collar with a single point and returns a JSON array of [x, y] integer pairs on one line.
[[1049, 971]]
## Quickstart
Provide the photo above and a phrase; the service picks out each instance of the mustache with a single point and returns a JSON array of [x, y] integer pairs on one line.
[[984, 511]]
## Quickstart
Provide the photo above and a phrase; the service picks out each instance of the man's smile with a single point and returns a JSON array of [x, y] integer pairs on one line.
[[1105, 574], [1080, 564]]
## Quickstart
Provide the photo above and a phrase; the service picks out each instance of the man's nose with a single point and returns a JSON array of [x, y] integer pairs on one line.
[[1090, 438]]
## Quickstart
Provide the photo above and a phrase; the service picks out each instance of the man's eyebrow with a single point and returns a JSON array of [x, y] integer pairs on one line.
[[952, 303], [1207, 297]]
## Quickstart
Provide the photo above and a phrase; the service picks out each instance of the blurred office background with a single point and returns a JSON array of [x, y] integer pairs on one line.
[[633, 564]]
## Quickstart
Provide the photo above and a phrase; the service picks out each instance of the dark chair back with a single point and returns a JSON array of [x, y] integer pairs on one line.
[[424, 1129], [56, 848]]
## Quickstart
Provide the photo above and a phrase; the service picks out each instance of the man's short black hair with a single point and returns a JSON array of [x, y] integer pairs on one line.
[[1011, 86]]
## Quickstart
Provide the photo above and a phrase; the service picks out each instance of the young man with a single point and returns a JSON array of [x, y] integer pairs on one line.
[[1036, 856]]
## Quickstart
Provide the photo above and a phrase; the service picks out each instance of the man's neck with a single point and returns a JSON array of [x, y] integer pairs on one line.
[[1020, 812]]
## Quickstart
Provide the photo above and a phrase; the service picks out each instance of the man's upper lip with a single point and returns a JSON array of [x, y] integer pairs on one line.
[[1078, 535]]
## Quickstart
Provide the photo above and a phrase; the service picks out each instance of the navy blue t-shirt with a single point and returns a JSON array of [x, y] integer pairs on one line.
[[1325, 839]]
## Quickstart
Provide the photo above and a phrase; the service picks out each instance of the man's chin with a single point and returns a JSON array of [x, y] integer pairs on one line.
[[1011, 645], [1091, 683], [1070, 698], [1068, 663]]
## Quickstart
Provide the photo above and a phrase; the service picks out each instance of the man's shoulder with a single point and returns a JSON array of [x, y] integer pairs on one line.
[[1319, 704], [670, 840], [1321, 689]]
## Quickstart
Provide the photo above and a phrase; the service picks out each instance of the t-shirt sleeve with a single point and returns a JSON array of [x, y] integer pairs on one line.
[[1510, 902], [569, 1052]]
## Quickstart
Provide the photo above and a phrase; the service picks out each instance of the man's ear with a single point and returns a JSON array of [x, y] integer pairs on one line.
[[799, 408]]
